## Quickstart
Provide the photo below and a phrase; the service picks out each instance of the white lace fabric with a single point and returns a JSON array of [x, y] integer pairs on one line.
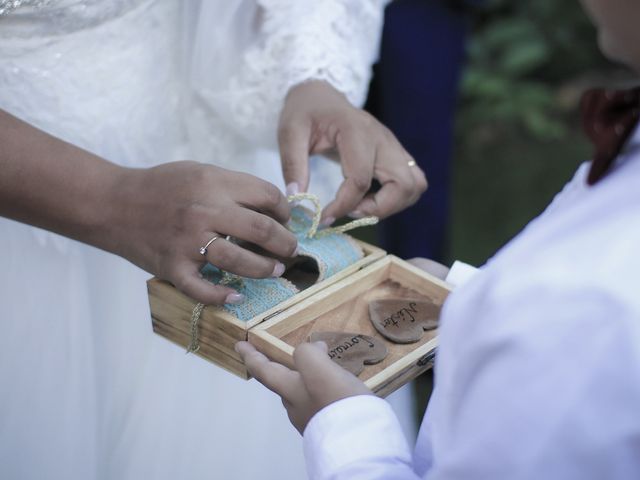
[[284, 44], [7, 6], [40, 18]]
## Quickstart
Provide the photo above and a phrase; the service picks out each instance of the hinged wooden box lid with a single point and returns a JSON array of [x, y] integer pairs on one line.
[[339, 303]]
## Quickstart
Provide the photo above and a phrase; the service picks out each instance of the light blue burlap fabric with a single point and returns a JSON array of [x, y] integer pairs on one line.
[[332, 252]]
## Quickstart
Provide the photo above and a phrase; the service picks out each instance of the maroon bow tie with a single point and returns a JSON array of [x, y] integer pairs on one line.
[[608, 118]]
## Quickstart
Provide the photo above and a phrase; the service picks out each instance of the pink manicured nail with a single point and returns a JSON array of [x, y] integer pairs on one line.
[[327, 221], [356, 214], [293, 188], [278, 270], [234, 298]]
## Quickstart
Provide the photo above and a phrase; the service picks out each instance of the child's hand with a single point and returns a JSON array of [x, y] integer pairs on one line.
[[316, 118], [317, 382]]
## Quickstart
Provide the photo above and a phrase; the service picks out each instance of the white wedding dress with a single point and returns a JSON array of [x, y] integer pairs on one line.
[[88, 391]]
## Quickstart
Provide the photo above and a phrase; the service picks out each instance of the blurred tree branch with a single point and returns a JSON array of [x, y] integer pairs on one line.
[[521, 55]]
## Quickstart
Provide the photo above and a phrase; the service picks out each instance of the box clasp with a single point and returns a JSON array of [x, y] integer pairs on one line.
[[428, 359]]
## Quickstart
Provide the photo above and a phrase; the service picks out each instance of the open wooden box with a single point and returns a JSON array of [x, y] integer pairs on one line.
[[339, 303]]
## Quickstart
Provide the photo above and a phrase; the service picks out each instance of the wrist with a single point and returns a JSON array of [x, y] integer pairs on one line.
[[315, 88], [110, 208]]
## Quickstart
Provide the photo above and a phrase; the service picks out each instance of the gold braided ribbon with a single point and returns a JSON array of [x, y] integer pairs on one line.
[[194, 343], [228, 278], [313, 231]]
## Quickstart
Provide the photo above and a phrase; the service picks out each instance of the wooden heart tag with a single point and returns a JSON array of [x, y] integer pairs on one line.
[[352, 351], [403, 320]]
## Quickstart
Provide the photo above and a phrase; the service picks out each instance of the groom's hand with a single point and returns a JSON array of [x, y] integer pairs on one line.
[[317, 119], [316, 382]]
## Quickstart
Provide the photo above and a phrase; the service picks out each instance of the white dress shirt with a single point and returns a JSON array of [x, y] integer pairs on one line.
[[538, 369]]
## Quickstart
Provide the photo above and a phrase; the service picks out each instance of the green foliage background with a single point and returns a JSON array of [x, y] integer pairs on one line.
[[518, 136]]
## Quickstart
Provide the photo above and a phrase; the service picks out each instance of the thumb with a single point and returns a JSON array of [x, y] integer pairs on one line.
[[313, 363], [293, 141], [325, 380]]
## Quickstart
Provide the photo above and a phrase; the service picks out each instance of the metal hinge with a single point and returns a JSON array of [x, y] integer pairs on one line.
[[268, 317]]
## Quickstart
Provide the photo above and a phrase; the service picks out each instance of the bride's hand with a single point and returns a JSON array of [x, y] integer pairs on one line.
[[165, 214], [316, 119]]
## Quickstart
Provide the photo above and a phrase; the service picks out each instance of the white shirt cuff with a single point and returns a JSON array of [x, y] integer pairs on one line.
[[460, 273], [352, 430]]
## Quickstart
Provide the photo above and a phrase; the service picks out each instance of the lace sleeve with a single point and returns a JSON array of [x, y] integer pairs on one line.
[[282, 43]]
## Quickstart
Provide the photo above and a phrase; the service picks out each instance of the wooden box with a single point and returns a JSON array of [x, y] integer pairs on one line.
[[339, 303]]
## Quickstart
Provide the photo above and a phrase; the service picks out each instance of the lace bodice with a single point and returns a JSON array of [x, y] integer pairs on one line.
[[239, 58], [101, 75], [7, 6], [29, 18], [279, 44]]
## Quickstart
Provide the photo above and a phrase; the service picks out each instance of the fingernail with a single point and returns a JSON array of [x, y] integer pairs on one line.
[[234, 298], [297, 252], [356, 214], [327, 221], [278, 270], [293, 188]]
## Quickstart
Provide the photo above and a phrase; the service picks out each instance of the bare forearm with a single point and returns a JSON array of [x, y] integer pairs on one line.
[[52, 184], [157, 218]]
